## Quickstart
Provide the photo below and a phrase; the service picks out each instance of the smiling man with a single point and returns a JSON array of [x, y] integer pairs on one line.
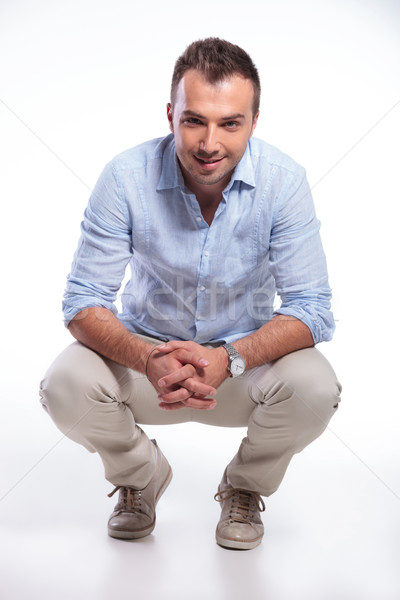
[[213, 224]]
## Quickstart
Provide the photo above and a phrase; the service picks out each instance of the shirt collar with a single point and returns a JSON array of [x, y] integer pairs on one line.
[[171, 176], [244, 170]]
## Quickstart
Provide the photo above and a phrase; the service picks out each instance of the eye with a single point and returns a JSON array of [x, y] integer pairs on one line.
[[231, 124], [192, 121]]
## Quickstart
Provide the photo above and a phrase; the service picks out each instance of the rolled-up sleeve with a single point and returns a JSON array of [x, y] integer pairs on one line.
[[297, 259], [104, 249]]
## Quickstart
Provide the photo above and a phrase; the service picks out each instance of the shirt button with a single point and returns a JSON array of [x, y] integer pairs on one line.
[[198, 219], [202, 288], [206, 253]]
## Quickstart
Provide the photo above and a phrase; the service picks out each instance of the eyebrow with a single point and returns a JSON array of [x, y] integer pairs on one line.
[[232, 117], [192, 113]]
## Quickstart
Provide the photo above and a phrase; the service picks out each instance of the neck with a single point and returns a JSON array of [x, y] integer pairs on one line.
[[208, 196], [208, 193]]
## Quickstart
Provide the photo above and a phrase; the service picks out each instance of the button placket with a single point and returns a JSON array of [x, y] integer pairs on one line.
[[203, 300]]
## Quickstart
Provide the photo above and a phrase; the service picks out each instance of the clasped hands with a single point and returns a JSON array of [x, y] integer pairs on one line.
[[186, 374]]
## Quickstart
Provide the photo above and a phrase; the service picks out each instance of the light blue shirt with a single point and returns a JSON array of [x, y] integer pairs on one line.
[[191, 281]]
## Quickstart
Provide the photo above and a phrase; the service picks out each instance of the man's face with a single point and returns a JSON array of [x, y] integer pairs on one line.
[[212, 124]]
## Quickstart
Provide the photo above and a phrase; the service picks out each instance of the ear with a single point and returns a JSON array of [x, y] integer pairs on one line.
[[255, 120], [170, 116]]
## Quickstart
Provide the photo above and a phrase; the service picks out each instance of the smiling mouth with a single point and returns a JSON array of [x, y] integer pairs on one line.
[[208, 161]]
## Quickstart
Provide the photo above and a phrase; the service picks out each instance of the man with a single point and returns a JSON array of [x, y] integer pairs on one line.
[[213, 223]]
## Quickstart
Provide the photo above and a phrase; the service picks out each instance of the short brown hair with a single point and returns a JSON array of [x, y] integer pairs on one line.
[[217, 60]]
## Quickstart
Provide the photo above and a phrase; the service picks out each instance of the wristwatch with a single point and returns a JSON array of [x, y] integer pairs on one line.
[[236, 366]]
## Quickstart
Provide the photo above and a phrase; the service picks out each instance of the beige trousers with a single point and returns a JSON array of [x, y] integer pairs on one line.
[[100, 404]]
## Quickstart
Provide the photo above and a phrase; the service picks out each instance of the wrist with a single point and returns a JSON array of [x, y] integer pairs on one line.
[[223, 359], [149, 354], [140, 356]]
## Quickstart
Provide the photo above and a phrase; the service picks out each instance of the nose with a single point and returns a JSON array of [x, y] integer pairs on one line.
[[210, 142]]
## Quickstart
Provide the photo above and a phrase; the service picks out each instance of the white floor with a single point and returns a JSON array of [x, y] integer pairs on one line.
[[332, 529]]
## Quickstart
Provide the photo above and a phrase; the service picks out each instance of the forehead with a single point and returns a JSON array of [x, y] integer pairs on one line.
[[230, 96]]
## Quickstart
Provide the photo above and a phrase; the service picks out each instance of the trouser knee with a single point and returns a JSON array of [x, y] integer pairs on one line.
[[312, 409], [298, 395], [78, 388], [65, 398]]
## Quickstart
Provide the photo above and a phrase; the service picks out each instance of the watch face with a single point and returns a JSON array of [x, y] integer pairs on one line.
[[237, 366]]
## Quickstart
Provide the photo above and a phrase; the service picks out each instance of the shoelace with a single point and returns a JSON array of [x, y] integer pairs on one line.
[[243, 504], [129, 499]]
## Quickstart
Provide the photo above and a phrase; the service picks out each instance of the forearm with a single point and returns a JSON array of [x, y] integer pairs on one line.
[[99, 329], [276, 338]]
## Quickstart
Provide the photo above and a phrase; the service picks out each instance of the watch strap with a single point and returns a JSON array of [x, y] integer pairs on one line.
[[232, 354]]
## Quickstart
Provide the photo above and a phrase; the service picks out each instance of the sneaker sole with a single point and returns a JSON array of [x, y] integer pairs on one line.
[[238, 544], [134, 535]]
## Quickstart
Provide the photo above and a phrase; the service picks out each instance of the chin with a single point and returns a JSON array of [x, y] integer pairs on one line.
[[208, 180]]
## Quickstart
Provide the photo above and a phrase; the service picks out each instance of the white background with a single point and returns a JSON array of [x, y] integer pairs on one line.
[[83, 80]]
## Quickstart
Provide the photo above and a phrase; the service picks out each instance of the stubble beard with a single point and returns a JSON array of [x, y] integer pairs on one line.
[[210, 179]]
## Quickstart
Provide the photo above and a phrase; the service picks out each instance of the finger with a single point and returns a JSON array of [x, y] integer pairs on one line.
[[177, 376], [195, 401], [190, 388], [174, 345], [189, 383], [175, 396], [200, 404], [190, 403], [198, 387], [175, 406], [194, 358], [184, 355]]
